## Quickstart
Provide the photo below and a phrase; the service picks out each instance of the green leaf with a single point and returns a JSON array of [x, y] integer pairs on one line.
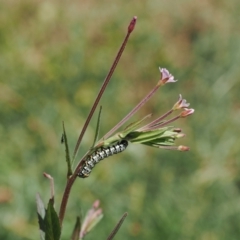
[[97, 127], [68, 159], [41, 224], [141, 137], [122, 135], [76, 230], [40, 206], [156, 145], [52, 224], [41, 215]]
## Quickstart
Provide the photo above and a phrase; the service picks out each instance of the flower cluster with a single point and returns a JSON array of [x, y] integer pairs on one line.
[[156, 133]]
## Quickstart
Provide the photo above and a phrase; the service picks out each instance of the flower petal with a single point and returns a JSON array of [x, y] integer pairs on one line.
[[181, 103], [166, 77]]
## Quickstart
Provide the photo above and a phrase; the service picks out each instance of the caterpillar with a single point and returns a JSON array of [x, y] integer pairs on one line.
[[99, 155]]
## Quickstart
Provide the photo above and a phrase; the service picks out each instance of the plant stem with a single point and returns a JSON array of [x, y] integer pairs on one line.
[[105, 83], [156, 121], [72, 178], [134, 110], [67, 190]]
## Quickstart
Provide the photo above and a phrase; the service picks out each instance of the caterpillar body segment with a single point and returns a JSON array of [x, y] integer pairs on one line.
[[99, 155]]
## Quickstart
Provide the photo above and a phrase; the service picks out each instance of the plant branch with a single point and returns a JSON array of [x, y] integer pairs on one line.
[[67, 190], [134, 110], [105, 83], [72, 178]]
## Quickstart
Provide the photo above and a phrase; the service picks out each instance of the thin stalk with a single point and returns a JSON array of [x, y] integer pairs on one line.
[[72, 179], [165, 123], [105, 83], [156, 121], [67, 190], [134, 110]]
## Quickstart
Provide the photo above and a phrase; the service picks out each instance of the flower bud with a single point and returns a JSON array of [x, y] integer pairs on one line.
[[183, 148], [132, 24], [177, 130], [181, 103], [187, 112], [93, 216]]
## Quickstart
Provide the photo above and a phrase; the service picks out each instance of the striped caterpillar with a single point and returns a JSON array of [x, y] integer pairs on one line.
[[99, 155]]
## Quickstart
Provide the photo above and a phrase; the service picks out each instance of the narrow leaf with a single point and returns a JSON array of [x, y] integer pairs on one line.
[[159, 143], [53, 229], [40, 206], [68, 159], [97, 127], [76, 230], [117, 227], [41, 224], [141, 137], [41, 214], [123, 134]]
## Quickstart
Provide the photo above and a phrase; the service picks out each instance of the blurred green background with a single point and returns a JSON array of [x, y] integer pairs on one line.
[[54, 56]]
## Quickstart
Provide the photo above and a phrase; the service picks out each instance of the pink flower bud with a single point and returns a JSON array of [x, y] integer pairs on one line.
[[187, 112], [180, 135], [183, 148], [96, 204], [177, 130], [93, 216], [132, 24]]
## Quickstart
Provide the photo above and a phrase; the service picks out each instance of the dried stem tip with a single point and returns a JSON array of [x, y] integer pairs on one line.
[[132, 24]]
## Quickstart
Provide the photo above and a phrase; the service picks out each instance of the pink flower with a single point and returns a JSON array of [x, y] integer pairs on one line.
[[181, 103], [186, 112], [166, 77]]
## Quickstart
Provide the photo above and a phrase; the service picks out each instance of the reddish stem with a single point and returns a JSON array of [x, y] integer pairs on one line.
[[156, 121], [71, 180], [105, 83], [134, 110]]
